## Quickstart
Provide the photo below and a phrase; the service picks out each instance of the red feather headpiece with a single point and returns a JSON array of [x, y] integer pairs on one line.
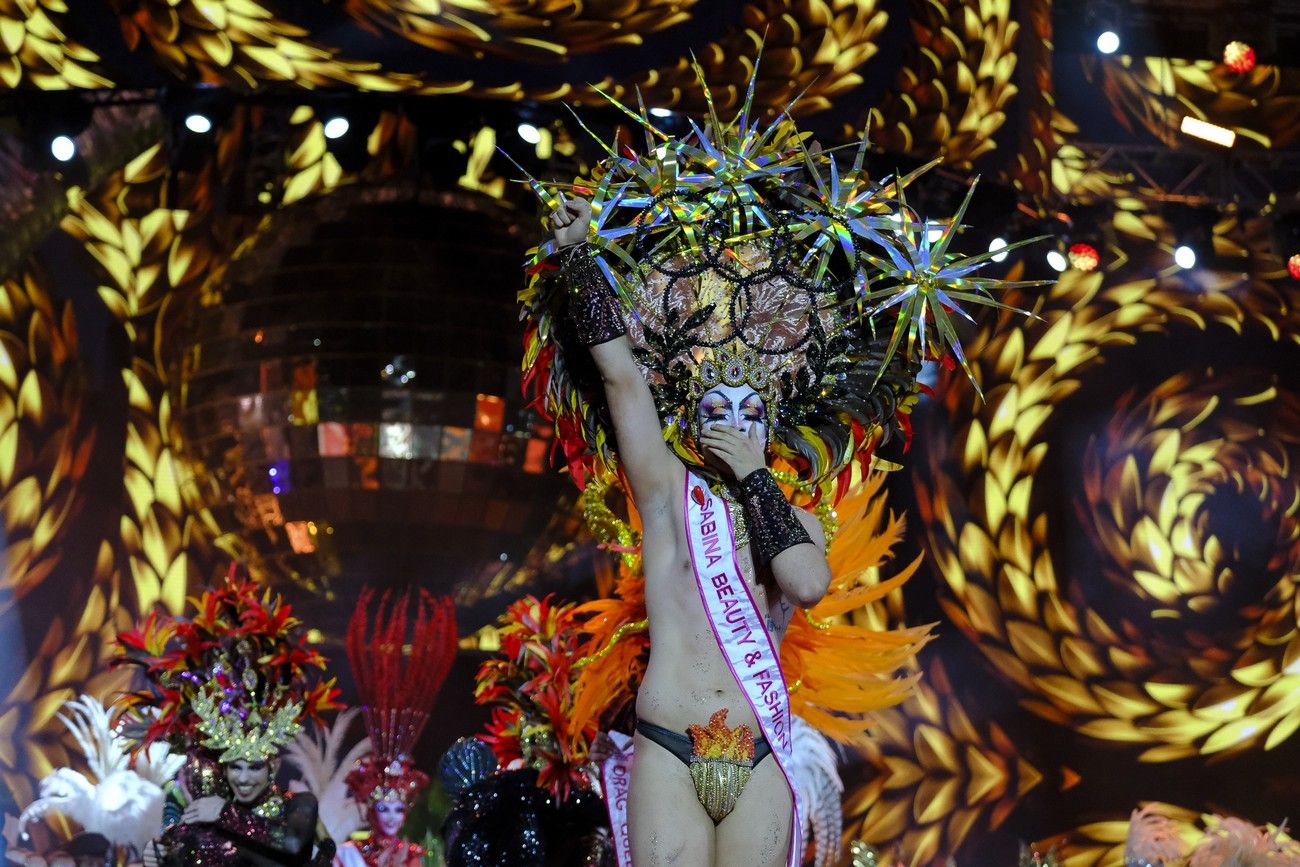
[[242, 642], [397, 691]]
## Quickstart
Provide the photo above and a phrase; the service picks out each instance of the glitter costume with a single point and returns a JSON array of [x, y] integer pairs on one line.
[[229, 686], [275, 829], [398, 692]]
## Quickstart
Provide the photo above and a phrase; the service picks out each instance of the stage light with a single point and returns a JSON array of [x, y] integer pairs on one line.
[[998, 244], [1057, 260], [661, 112], [63, 148], [529, 133], [1194, 236], [51, 123], [933, 233], [1084, 257], [1108, 42], [347, 120], [1198, 128], [193, 117], [337, 127], [1286, 237], [1238, 56]]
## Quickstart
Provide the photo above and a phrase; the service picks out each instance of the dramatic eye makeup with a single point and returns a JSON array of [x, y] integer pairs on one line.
[[752, 407], [714, 407]]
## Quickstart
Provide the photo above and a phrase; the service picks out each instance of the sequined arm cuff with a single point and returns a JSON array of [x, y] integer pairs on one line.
[[773, 525], [592, 305]]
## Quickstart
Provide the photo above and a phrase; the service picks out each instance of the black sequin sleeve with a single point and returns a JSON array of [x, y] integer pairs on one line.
[[592, 305], [773, 525]]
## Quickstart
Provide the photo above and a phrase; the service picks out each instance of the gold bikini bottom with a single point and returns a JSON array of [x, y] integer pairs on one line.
[[720, 760]]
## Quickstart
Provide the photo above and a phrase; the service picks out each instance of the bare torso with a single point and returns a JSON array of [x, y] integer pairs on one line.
[[687, 679]]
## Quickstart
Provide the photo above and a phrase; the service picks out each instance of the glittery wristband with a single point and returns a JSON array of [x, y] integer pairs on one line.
[[773, 525], [592, 306]]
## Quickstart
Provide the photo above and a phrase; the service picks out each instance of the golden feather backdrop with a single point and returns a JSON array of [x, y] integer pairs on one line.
[[1115, 530]]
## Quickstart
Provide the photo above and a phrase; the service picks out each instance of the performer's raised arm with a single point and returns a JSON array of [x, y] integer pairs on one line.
[[655, 475]]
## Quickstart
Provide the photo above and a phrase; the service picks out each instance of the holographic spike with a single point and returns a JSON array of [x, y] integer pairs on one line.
[[749, 92], [714, 123]]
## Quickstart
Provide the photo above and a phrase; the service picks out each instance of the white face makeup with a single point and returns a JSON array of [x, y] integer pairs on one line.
[[737, 406], [389, 815], [248, 779]]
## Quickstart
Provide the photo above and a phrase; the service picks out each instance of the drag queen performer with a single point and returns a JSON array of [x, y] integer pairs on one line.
[[229, 686], [728, 286], [397, 693], [668, 825]]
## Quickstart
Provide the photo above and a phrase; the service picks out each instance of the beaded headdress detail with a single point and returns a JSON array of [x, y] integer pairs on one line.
[[732, 370]]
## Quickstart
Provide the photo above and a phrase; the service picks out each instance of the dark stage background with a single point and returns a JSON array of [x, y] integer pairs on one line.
[[304, 352]]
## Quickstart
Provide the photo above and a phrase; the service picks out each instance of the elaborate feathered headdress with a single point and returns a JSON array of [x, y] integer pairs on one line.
[[232, 679], [740, 239], [397, 691], [530, 685]]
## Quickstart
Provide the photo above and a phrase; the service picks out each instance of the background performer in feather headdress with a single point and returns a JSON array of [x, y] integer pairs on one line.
[[728, 286], [397, 691], [229, 687]]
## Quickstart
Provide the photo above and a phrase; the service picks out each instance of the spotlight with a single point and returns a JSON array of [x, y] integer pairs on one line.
[[1206, 131], [337, 127], [529, 133], [1104, 21], [998, 244], [1238, 56], [1055, 226], [193, 114], [1193, 236], [1084, 257], [51, 123], [347, 119], [661, 112], [63, 148], [1286, 238]]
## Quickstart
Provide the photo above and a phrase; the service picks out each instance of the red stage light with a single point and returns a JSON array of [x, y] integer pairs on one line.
[[1239, 57], [1084, 257], [1293, 266]]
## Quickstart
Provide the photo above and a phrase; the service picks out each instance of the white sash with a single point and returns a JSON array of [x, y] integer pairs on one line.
[[740, 633], [615, 779], [745, 644]]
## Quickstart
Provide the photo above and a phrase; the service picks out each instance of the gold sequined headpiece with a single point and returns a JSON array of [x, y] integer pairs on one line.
[[236, 677], [731, 366], [241, 724]]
